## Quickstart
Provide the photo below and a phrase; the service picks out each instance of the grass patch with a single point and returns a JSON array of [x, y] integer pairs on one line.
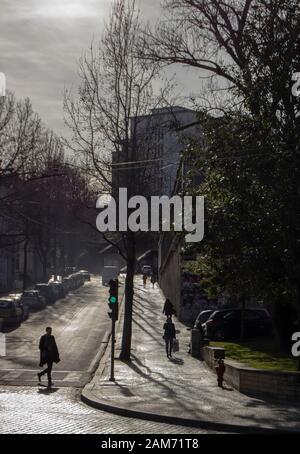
[[260, 354]]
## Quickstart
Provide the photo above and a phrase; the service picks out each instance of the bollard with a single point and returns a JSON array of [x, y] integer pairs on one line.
[[2, 345], [197, 342]]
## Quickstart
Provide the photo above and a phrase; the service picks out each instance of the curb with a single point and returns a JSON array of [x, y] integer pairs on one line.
[[97, 358], [88, 398]]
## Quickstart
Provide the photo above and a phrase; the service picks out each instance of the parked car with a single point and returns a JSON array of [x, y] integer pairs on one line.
[[58, 289], [17, 297], [147, 269], [67, 283], [47, 292], [202, 317], [10, 313], [79, 279], [226, 324], [85, 274], [55, 291], [33, 299], [73, 281]]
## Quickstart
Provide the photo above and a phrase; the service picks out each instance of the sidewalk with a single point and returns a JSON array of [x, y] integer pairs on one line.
[[181, 390]]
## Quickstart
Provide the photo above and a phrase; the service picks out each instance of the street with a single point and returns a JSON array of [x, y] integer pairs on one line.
[[37, 411], [79, 323]]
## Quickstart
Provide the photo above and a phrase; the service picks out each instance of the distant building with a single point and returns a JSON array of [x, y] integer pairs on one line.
[[157, 141]]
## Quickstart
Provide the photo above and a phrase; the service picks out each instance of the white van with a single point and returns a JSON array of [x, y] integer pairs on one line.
[[147, 269], [109, 272]]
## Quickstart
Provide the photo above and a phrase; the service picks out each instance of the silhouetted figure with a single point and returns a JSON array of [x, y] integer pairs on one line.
[[168, 308], [144, 280], [153, 280], [48, 354], [220, 369], [169, 336]]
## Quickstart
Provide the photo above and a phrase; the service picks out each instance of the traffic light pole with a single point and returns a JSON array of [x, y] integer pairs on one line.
[[113, 304], [112, 363]]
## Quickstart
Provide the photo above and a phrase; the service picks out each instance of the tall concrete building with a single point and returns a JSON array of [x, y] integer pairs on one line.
[[161, 137], [157, 141]]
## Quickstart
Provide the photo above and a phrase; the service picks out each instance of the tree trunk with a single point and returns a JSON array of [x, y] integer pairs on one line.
[[129, 292]]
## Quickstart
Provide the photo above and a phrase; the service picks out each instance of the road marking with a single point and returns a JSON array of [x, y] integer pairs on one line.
[[39, 370], [17, 377]]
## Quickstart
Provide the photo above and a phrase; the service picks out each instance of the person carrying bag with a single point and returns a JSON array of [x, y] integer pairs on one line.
[[169, 336]]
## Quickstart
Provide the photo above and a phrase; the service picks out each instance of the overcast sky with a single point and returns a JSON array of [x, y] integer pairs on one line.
[[41, 42]]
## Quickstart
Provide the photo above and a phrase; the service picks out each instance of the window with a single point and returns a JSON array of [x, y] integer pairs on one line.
[[233, 315], [253, 316]]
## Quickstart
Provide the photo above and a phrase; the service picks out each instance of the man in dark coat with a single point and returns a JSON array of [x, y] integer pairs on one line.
[[48, 354]]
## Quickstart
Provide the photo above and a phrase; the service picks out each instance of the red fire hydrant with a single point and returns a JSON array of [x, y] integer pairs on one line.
[[220, 369]]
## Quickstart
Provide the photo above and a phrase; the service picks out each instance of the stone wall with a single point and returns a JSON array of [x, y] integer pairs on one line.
[[279, 386], [170, 276]]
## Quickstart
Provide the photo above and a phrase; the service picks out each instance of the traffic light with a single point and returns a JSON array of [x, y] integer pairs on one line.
[[113, 299]]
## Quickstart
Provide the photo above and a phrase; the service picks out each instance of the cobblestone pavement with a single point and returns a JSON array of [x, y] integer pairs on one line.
[[26, 410]]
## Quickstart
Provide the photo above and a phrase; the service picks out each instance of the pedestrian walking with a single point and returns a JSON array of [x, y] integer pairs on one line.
[[168, 308], [220, 369], [144, 280], [48, 354], [153, 280], [169, 336]]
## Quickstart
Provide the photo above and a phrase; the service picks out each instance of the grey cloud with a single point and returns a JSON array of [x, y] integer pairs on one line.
[[39, 51]]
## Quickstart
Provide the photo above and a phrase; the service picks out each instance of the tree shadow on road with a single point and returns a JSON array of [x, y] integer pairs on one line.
[[124, 389]]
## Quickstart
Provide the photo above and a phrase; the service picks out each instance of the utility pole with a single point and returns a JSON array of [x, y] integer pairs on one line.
[[113, 305]]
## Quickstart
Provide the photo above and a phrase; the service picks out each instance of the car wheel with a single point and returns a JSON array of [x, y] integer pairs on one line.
[[219, 335]]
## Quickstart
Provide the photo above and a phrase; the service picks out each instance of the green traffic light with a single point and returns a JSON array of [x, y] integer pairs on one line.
[[113, 299]]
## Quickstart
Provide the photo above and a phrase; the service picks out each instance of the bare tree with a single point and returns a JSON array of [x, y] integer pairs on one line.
[[116, 87], [236, 42], [7, 111]]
